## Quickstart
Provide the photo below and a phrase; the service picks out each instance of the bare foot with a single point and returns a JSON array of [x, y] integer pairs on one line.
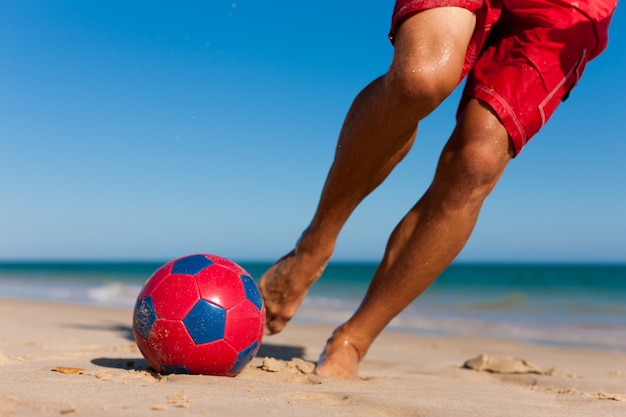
[[284, 286], [340, 358]]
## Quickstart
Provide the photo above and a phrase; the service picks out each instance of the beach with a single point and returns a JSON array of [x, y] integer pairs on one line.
[[72, 359]]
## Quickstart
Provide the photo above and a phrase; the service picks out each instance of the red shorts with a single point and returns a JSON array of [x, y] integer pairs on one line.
[[525, 55]]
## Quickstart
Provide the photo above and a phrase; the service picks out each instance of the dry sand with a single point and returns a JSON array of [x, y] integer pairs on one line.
[[58, 359]]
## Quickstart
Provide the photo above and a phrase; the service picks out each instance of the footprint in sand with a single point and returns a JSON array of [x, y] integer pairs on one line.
[[4, 359], [297, 371], [505, 365], [8, 404], [363, 405], [296, 364]]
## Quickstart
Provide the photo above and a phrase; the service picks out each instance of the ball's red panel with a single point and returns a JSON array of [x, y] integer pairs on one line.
[[244, 325], [170, 343], [175, 296], [147, 353], [215, 358], [220, 285], [227, 263], [155, 280]]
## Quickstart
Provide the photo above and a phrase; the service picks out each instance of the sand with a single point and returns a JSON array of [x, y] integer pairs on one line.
[[59, 359]]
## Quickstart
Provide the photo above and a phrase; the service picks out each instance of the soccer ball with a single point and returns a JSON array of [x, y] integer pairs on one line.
[[199, 314]]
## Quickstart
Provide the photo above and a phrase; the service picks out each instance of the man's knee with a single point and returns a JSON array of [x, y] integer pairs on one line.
[[473, 160], [420, 85], [479, 167]]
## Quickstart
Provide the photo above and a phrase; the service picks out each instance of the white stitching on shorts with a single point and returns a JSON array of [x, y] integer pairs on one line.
[[574, 69], [507, 107]]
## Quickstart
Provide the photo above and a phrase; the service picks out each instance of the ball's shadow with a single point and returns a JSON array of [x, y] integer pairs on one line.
[[281, 352], [128, 364]]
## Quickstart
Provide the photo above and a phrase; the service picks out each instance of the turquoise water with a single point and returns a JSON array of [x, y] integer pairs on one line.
[[578, 305]]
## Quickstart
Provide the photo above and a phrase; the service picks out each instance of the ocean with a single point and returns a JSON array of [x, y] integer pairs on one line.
[[577, 305]]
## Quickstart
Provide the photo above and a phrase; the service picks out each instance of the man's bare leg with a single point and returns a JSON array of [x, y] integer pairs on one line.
[[428, 238], [378, 132]]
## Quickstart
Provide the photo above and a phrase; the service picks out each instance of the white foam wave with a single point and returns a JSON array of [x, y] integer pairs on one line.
[[609, 337], [114, 293]]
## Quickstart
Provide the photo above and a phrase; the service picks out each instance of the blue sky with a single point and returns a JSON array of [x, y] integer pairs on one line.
[[150, 130]]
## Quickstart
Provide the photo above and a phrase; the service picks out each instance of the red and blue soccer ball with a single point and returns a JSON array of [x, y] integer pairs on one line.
[[199, 314]]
